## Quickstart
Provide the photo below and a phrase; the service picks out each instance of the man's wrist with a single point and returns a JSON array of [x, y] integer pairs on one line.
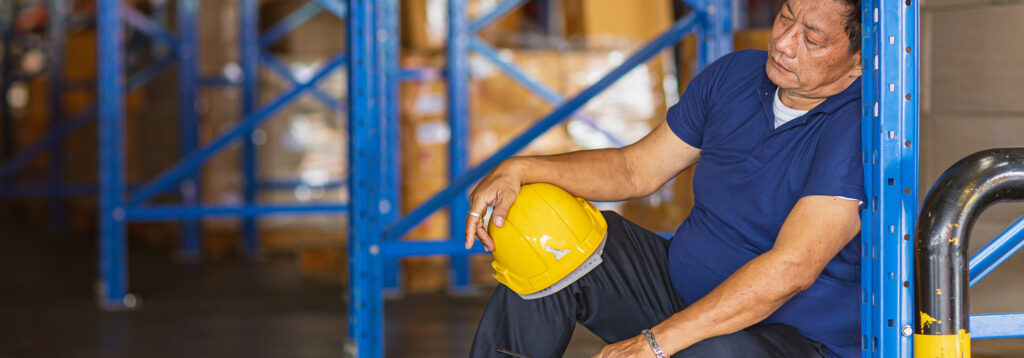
[[653, 342], [517, 166]]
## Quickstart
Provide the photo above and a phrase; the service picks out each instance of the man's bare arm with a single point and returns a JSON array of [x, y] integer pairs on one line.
[[616, 174], [815, 231]]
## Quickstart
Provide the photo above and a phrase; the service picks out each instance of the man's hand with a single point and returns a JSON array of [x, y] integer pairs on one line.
[[498, 189], [636, 347]]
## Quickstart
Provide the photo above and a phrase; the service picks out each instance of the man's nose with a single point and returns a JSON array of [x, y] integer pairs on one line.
[[786, 43]]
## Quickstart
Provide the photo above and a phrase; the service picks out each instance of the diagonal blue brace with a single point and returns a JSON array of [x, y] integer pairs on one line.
[[499, 12], [538, 88], [66, 128], [163, 213], [680, 29], [282, 70], [195, 159], [289, 23], [336, 7], [997, 251], [144, 24]]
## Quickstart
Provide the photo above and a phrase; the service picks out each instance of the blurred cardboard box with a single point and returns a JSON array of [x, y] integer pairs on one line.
[[425, 23]]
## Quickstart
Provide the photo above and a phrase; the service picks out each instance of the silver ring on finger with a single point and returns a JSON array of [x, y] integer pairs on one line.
[[474, 214]]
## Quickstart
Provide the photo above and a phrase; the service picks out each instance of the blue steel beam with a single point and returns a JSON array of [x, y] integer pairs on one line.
[[195, 159], [997, 251], [250, 59], [164, 213], [295, 183], [499, 12], [391, 163], [462, 182], [337, 8], [66, 128], [113, 261], [989, 326], [366, 306], [188, 117], [714, 36], [458, 122], [407, 248], [282, 70], [145, 25], [538, 88], [56, 33], [420, 74], [890, 135], [289, 23]]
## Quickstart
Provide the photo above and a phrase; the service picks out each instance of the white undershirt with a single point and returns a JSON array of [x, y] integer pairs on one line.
[[784, 114]]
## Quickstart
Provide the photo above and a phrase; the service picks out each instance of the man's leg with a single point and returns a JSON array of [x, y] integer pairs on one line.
[[628, 292]]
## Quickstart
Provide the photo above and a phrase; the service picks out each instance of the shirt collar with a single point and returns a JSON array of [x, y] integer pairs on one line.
[[832, 104]]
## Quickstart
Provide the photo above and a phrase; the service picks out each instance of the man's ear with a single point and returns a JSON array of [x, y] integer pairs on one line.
[[855, 71]]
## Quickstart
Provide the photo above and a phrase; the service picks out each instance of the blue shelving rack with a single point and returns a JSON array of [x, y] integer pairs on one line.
[[118, 206]]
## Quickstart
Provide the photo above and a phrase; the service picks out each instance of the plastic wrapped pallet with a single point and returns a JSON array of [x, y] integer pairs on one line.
[[304, 143]]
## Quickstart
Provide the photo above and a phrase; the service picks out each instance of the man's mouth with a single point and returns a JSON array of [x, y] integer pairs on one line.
[[777, 65]]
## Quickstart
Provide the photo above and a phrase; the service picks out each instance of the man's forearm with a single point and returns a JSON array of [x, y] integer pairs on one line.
[[747, 297], [598, 175]]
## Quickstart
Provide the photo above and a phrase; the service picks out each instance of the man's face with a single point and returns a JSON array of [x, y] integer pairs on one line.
[[809, 49]]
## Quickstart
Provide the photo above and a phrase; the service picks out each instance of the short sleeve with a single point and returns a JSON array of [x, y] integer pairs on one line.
[[836, 168], [688, 117]]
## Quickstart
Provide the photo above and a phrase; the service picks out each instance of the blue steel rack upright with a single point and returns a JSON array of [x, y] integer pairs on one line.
[[375, 239], [889, 109]]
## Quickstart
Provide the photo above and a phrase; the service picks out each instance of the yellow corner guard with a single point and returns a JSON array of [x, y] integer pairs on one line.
[[942, 346]]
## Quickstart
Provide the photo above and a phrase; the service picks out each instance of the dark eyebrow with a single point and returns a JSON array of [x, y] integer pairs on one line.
[[814, 29], [808, 26]]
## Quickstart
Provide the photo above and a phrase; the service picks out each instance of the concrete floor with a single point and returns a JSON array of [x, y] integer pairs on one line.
[[235, 309]]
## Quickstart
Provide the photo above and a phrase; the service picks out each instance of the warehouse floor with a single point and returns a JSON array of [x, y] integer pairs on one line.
[[234, 309]]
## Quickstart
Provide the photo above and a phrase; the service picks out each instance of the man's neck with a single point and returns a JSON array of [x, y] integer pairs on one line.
[[798, 102]]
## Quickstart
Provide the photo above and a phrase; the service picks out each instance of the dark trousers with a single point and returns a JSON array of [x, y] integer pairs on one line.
[[630, 291]]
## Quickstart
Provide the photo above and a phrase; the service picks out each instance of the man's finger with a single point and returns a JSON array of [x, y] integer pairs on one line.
[[472, 222], [485, 238], [501, 205]]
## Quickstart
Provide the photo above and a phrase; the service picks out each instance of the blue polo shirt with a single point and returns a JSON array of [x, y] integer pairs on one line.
[[749, 177]]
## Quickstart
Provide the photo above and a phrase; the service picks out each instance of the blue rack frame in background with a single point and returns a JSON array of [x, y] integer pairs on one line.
[[117, 208]]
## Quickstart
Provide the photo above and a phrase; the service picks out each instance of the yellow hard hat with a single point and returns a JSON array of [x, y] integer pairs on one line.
[[549, 239]]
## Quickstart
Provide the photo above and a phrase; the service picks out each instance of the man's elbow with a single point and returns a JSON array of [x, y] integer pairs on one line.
[[800, 275]]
